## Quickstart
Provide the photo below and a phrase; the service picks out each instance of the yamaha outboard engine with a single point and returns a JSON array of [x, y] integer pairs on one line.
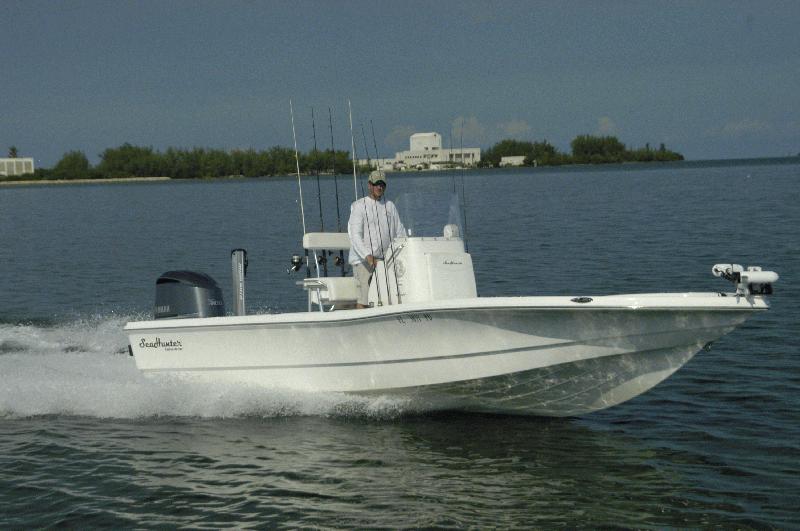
[[183, 294]]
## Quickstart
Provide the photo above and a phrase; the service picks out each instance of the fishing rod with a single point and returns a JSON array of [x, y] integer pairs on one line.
[[463, 193], [364, 202], [366, 150], [324, 259], [297, 165], [388, 226], [353, 144], [333, 169], [299, 183], [316, 170], [336, 186], [450, 156], [377, 216]]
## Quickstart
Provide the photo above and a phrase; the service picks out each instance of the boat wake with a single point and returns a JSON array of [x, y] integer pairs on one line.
[[82, 368]]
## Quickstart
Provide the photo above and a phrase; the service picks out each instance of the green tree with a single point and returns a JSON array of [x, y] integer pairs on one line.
[[189, 163], [128, 161], [12, 152], [281, 161], [586, 149], [135, 161], [215, 163], [597, 149], [506, 148], [647, 154], [541, 153], [243, 163], [73, 165], [316, 161]]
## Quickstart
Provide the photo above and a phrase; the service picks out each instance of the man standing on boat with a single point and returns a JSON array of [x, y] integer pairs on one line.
[[373, 223]]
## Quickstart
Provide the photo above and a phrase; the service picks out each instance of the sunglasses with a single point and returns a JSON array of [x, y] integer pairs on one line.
[[379, 183]]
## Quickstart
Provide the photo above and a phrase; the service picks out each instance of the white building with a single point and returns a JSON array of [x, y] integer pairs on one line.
[[426, 152], [425, 141], [17, 166], [378, 164], [514, 160]]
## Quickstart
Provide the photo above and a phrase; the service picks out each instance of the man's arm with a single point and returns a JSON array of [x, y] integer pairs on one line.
[[356, 229]]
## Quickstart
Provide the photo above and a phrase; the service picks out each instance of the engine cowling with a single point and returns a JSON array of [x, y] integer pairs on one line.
[[186, 294]]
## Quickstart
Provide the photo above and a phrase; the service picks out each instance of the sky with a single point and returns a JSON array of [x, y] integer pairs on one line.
[[711, 80]]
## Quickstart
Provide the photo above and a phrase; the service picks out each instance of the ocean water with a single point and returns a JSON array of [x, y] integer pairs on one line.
[[87, 441]]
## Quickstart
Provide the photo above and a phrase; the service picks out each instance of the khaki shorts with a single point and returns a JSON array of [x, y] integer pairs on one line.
[[362, 275]]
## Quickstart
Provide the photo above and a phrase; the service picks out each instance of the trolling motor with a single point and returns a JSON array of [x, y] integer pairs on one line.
[[752, 281]]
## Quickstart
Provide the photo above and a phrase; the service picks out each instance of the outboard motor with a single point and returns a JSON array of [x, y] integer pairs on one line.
[[184, 294]]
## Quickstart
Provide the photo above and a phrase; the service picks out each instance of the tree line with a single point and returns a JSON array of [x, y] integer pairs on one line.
[[136, 161], [586, 149]]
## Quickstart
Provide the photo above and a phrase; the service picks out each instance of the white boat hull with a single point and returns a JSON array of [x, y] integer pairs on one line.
[[523, 355]]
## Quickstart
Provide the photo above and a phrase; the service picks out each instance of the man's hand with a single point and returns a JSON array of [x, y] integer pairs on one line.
[[371, 261]]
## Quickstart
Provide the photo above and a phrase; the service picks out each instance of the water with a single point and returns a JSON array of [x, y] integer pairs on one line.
[[86, 441]]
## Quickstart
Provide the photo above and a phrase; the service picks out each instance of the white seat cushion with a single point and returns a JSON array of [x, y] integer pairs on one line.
[[326, 240]]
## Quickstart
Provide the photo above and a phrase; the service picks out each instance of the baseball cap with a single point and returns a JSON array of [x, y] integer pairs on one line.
[[377, 176]]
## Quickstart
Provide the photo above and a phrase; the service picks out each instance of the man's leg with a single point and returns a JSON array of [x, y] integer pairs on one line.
[[362, 275]]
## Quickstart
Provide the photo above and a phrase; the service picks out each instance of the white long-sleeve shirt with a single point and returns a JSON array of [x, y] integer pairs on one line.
[[372, 226]]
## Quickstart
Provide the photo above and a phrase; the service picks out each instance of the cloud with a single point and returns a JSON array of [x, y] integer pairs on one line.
[[740, 128], [514, 129], [397, 138], [474, 133], [606, 126]]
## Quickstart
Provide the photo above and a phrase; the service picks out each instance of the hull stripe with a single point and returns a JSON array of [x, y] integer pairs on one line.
[[718, 329]]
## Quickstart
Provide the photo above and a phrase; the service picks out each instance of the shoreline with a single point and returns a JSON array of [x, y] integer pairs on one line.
[[509, 169], [85, 181]]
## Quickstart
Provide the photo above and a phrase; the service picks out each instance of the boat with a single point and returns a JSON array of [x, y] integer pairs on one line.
[[428, 337]]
